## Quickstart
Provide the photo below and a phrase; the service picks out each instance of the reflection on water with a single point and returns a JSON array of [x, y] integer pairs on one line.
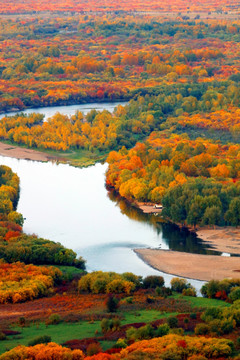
[[184, 240], [172, 237]]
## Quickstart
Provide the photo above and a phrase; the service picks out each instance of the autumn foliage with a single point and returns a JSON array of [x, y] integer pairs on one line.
[[170, 346], [43, 352], [165, 168], [20, 282], [173, 345], [17, 7]]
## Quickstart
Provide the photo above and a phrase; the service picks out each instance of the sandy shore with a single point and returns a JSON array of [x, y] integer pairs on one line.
[[194, 266], [22, 153], [147, 208], [223, 239]]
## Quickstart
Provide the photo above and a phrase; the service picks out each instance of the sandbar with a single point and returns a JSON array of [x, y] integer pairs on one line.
[[24, 153], [193, 266], [221, 239]]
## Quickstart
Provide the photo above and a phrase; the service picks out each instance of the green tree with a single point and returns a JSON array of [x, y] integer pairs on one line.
[[212, 215], [233, 213]]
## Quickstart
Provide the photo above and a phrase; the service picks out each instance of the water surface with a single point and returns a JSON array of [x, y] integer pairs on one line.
[[72, 206], [69, 109]]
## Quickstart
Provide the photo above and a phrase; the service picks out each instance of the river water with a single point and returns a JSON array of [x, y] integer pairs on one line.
[[72, 206], [69, 110]]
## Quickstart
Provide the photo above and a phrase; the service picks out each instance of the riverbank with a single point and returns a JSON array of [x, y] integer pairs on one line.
[[194, 266], [221, 239], [78, 158], [147, 208], [18, 152]]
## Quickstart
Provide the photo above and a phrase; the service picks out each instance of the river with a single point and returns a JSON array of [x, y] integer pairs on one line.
[[69, 110], [72, 206]]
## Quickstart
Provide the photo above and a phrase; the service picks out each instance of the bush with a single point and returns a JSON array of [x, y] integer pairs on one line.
[[107, 282], [131, 333], [162, 330], [163, 291], [105, 325], [135, 279], [142, 333], [202, 329], [219, 289], [189, 292], [211, 314], [172, 322], [112, 303], [53, 319], [153, 281], [215, 327], [93, 348], [210, 289], [179, 285], [193, 316], [118, 286], [116, 323], [44, 339], [234, 294], [121, 343], [226, 326]]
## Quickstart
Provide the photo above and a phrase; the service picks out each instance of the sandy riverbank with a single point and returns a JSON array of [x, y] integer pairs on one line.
[[223, 239], [147, 208], [194, 266], [22, 153]]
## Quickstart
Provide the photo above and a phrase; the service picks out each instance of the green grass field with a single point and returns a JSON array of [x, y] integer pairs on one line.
[[201, 302], [144, 316], [59, 333], [68, 331]]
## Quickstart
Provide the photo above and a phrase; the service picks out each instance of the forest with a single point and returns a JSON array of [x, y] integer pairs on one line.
[[176, 143]]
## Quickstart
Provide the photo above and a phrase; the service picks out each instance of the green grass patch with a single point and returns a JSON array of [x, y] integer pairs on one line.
[[144, 316], [59, 333], [201, 302], [78, 157]]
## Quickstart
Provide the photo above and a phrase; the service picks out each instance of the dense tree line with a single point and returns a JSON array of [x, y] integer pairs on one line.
[[32, 250], [187, 7], [157, 108], [77, 59], [197, 181]]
